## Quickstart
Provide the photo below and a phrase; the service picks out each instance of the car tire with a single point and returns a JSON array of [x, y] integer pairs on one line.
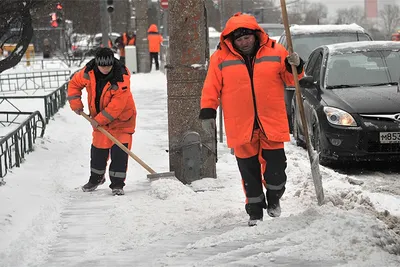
[[296, 129], [289, 96], [316, 143]]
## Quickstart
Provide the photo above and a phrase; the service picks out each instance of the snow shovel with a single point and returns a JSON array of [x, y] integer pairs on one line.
[[153, 175], [313, 155]]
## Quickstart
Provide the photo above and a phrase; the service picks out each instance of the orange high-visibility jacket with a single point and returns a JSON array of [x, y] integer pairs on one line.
[[155, 39], [117, 107], [245, 99], [126, 42]]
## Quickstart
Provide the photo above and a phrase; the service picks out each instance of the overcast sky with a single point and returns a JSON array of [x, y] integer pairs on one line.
[[333, 5]]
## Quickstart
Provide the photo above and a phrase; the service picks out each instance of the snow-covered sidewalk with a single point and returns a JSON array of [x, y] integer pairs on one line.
[[46, 220]]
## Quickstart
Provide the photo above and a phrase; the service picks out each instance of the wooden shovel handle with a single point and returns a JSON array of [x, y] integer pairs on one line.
[[118, 143]]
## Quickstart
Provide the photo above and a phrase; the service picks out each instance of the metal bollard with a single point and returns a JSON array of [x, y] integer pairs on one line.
[[191, 156]]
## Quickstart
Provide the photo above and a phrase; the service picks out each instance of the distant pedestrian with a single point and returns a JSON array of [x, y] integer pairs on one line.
[[112, 107], [126, 39], [47, 48], [247, 74], [155, 39]]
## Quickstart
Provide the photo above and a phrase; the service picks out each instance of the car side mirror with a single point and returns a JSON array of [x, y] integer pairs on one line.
[[307, 82]]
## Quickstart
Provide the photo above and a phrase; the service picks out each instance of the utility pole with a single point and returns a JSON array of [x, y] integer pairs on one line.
[[104, 22], [222, 14], [132, 20], [189, 54], [142, 44]]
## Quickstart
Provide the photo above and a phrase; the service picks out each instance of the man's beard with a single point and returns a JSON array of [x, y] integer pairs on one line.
[[248, 51]]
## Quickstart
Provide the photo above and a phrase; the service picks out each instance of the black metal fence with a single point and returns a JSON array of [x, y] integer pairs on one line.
[[34, 80], [16, 91], [53, 101], [57, 62], [16, 144]]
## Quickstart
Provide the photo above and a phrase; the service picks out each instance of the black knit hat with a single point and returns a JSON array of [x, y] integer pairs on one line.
[[104, 57], [239, 32]]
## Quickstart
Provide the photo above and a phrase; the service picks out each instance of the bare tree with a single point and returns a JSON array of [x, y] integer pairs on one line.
[[390, 16], [16, 26], [354, 14], [315, 12], [303, 12]]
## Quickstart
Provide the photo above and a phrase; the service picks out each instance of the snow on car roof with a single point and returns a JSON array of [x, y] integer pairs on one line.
[[310, 29], [212, 32], [363, 45]]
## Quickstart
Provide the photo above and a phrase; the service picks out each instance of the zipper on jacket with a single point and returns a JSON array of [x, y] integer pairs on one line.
[[250, 69]]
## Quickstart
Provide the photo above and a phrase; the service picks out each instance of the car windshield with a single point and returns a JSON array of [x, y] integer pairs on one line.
[[274, 31], [363, 68], [304, 44]]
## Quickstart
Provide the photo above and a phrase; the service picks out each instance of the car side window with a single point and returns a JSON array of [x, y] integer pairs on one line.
[[310, 64], [282, 41], [317, 66]]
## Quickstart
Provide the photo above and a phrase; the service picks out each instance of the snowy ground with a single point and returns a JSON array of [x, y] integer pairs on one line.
[[46, 220]]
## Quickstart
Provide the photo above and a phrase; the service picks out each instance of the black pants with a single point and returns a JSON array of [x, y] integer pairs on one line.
[[274, 176], [118, 166], [155, 57]]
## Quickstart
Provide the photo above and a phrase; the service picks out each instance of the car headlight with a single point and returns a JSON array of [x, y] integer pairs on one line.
[[339, 117]]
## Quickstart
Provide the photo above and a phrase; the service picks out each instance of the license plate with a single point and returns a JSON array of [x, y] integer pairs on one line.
[[389, 137]]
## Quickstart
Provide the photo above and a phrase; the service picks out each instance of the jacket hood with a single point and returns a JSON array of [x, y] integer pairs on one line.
[[153, 28], [240, 20]]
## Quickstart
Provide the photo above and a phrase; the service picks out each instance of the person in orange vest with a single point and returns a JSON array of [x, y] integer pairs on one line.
[[247, 74], [111, 106], [155, 39], [126, 39]]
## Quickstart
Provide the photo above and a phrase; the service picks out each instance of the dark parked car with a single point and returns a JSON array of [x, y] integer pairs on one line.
[[307, 37], [351, 101]]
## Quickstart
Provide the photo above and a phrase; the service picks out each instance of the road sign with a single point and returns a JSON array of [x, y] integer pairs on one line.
[[164, 4]]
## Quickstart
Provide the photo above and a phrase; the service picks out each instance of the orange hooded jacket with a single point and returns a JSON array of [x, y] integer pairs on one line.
[[155, 39], [125, 42], [245, 99], [117, 107]]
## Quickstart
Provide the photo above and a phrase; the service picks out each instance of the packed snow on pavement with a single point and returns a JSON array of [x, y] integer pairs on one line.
[[46, 219]]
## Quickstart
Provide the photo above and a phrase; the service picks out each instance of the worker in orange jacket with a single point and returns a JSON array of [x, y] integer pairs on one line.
[[125, 39], [155, 39], [247, 74], [112, 107]]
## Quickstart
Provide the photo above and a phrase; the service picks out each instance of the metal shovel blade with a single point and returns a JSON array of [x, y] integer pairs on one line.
[[163, 175], [317, 179]]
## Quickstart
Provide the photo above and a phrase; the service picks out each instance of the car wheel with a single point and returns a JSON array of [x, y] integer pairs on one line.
[[296, 130], [316, 142], [315, 138]]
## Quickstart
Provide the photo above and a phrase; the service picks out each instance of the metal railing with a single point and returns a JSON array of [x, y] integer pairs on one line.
[[57, 62], [16, 144], [52, 101], [34, 80]]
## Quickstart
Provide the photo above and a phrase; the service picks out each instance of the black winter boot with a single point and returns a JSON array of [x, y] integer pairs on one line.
[[274, 206], [118, 191], [92, 185], [255, 212]]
